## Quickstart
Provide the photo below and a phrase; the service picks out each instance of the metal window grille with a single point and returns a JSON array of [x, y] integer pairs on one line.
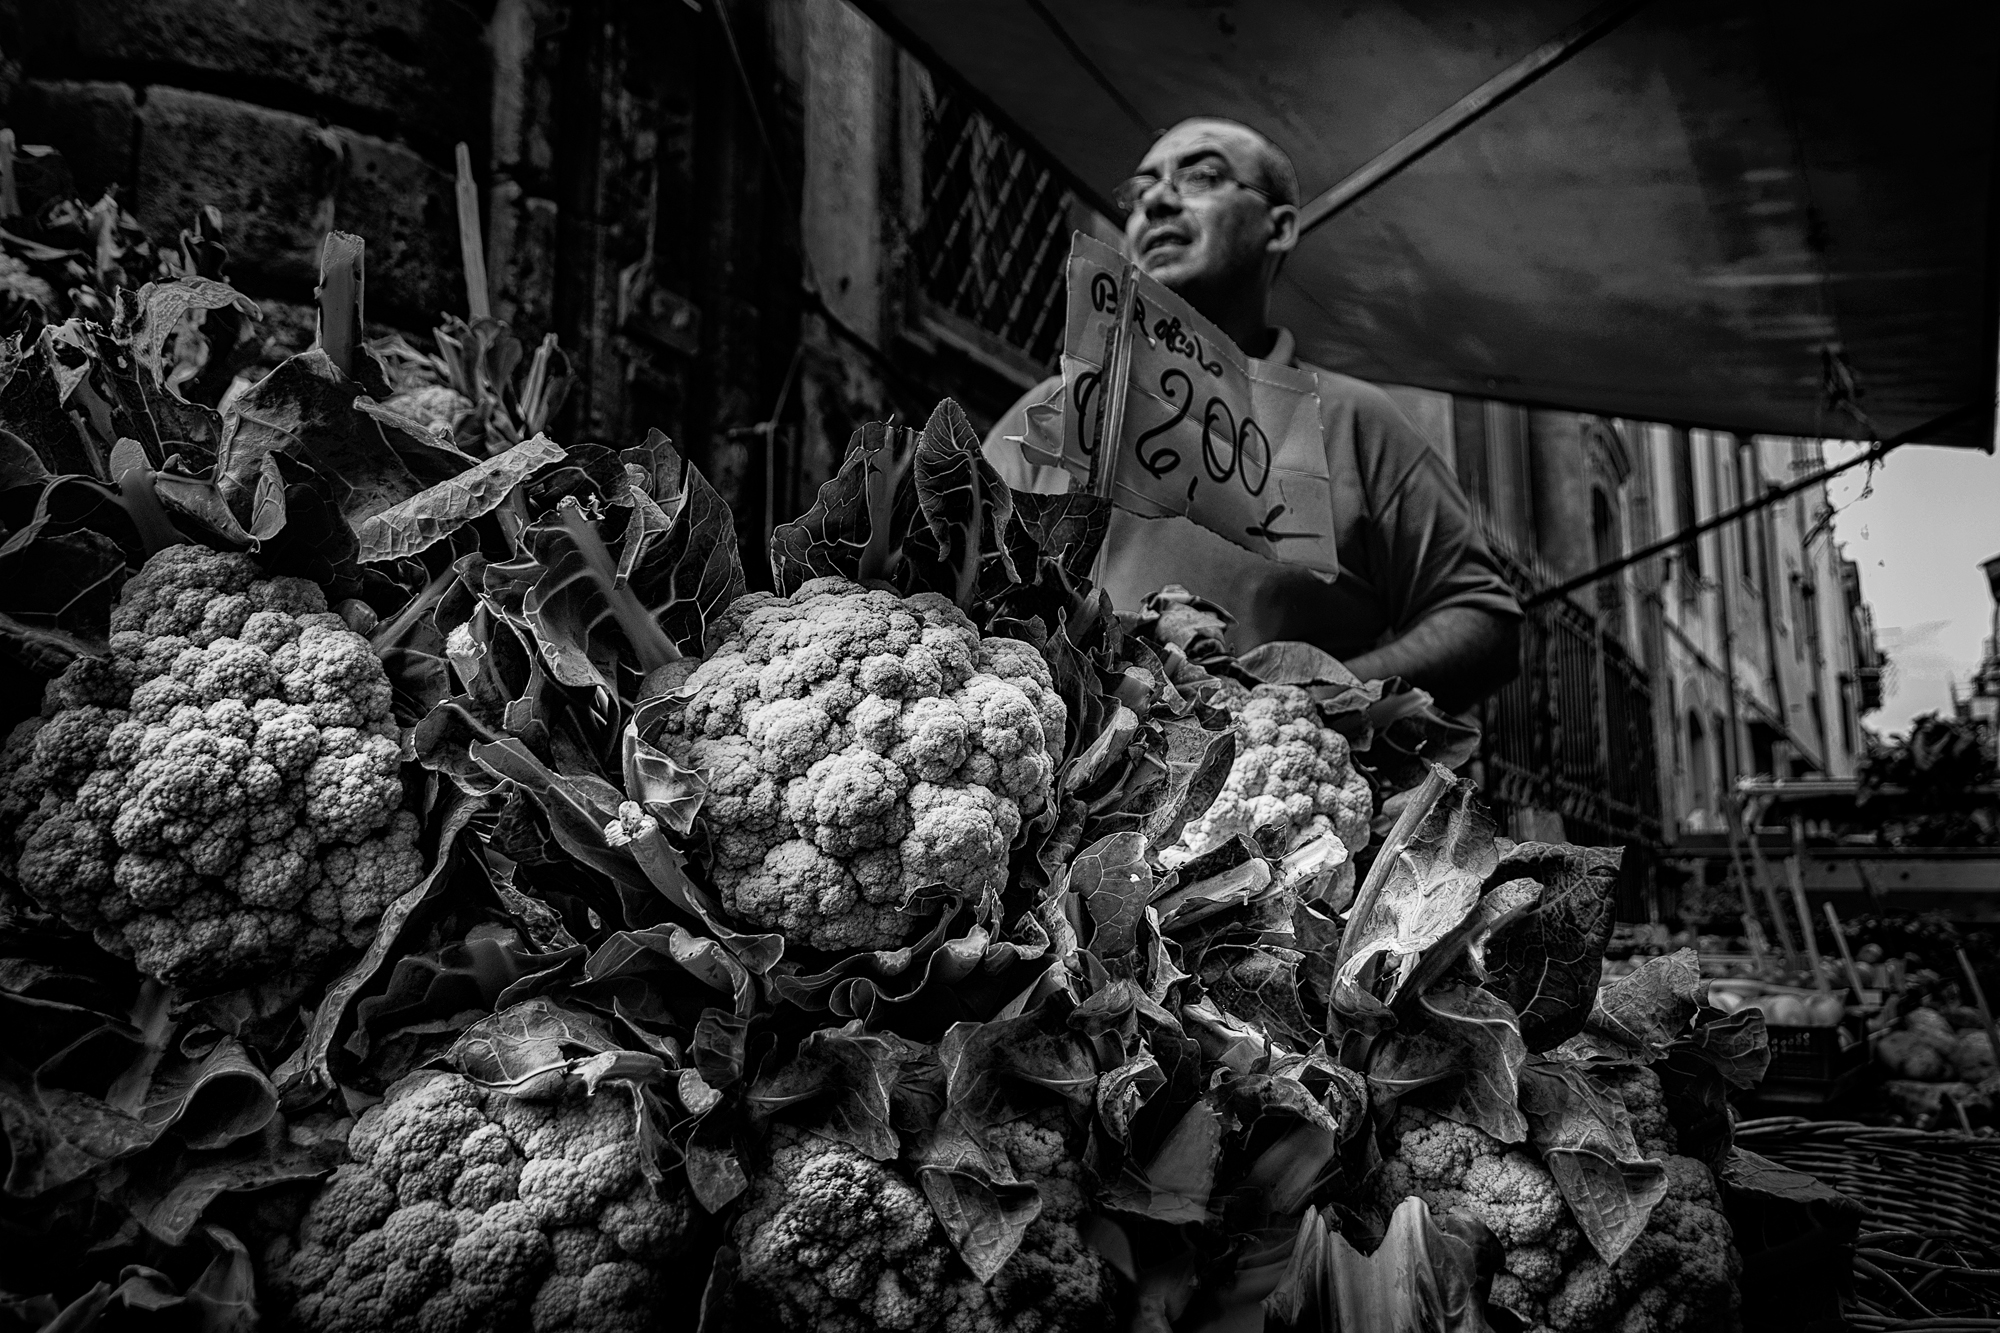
[[1574, 731], [994, 236]]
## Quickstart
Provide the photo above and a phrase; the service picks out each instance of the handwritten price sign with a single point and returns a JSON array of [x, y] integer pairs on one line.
[[1203, 431]]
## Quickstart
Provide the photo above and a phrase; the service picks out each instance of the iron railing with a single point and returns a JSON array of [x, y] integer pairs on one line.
[[993, 239], [1573, 732]]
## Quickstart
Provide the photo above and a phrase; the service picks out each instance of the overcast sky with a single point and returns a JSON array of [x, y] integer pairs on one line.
[[1918, 538]]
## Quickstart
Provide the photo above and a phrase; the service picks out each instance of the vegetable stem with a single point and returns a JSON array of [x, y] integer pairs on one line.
[[654, 647], [340, 292], [886, 463], [141, 500], [968, 569]]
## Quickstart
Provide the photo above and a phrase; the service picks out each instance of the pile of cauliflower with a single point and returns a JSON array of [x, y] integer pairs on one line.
[[834, 1241], [1291, 775], [220, 797], [860, 747], [1679, 1274], [472, 1211]]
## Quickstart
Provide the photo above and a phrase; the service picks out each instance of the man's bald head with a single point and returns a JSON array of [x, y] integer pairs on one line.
[[1261, 162], [1219, 242]]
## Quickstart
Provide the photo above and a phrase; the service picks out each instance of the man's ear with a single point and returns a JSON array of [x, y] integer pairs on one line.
[[1284, 230]]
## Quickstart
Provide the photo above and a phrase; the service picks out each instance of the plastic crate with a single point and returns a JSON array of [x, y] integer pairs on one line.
[[1814, 1064]]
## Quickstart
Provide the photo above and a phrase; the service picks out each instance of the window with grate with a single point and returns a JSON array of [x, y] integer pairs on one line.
[[1681, 455], [994, 236]]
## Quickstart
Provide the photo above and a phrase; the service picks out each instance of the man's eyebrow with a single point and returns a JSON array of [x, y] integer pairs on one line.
[[1191, 156]]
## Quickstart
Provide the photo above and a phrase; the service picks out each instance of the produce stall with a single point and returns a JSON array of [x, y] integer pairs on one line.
[[437, 893]]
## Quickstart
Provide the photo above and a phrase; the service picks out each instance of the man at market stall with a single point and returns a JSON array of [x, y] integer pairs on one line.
[[1211, 213]]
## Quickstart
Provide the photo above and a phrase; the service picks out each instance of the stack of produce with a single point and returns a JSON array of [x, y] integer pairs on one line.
[[911, 945], [1940, 1067], [1782, 1006], [1937, 786]]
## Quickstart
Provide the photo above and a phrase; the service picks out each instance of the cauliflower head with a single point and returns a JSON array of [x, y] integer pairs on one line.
[[220, 797], [1289, 772], [835, 1242], [468, 1209], [859, 746], [832, 1240], [1680, 1274]]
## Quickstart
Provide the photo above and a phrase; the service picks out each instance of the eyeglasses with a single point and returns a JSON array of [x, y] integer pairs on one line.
[[1193, 179]]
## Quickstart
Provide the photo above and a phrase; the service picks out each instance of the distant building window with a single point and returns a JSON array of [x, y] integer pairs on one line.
[[1607, 547], [1681, 449], [1700, 793]]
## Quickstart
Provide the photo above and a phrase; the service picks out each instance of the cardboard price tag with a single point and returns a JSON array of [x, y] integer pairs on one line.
[[1201, 430]]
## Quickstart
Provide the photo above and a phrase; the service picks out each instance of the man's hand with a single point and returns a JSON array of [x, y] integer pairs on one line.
[[1458, 653]]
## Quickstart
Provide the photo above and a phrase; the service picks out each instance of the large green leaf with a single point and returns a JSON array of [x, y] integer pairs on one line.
[[620, 586], [526, 1050], [845, 1078], [1547, 963], [305, 408], [428, 517], [163, 305], [961, 548], [1464, 1055], [854, 529], [1639, 1015], [1426, 879], [1259, 983], [1584, 1136], [1114, 883], [973, 1194]]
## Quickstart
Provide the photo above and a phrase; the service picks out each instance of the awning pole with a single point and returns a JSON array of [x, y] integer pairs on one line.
[[1467, 109]]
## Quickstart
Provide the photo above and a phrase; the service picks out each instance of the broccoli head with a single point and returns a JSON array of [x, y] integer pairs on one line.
[[220, 797], [469, 1209], [859, 746], [1290, 773]]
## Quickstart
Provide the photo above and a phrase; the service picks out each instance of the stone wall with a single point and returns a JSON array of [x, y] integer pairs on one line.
[[288, 118], [713, 220]]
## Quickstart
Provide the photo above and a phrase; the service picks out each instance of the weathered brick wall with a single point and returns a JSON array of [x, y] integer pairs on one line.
[[290, 118]]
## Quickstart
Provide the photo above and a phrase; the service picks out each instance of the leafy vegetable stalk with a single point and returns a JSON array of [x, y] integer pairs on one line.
[[140, 500], [654, 647]]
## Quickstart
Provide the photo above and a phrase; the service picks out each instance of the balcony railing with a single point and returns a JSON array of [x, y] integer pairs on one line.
[[1574, 731]]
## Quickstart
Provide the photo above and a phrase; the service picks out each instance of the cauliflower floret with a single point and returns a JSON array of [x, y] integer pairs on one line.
[[219, 798], [1462, 1169], [1289, 772], [469, 1210], [858, 747]]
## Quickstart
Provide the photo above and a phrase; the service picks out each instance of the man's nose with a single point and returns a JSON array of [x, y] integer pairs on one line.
[[1160, 198]]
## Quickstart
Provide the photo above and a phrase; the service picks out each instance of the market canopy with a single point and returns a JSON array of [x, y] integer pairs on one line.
[[1709, 215]]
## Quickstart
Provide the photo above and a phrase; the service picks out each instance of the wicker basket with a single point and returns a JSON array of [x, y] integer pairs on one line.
[[1928, 1256]]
